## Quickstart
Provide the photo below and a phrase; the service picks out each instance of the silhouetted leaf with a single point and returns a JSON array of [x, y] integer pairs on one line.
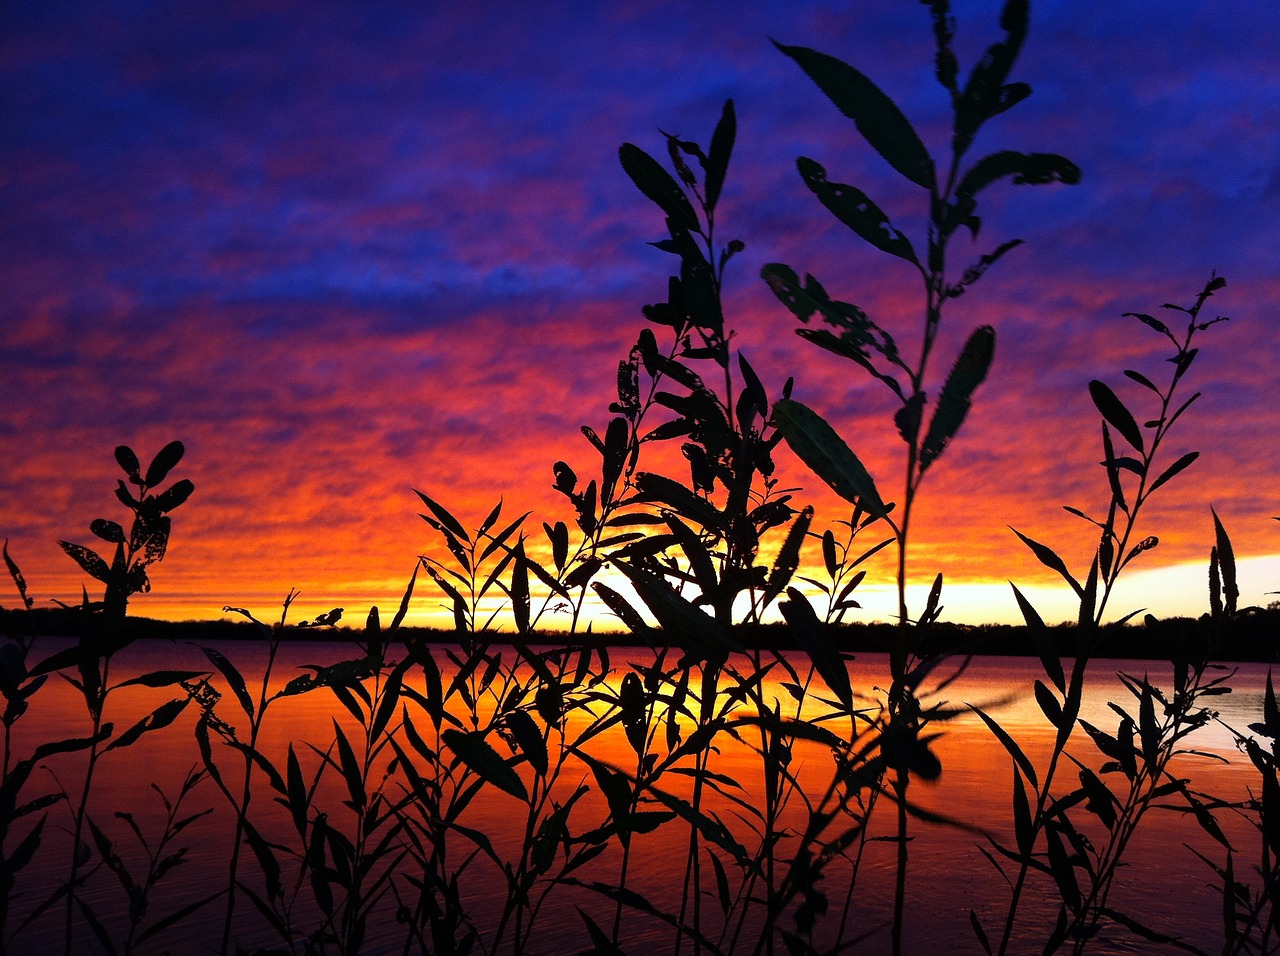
[[615, 453], [825, 453], [718, 154], [1023, 832], [632, 704], [985, 93], [107, 530], [1226, 563], [161, 678], [1010, 745], [692, 628], [877, 117], [1148, 729], [815, 638], [1025, 168], [619, 606], [1049, 704], [656, 183], [979, 932], [90, 561], [172, 497], [159, 718], [711, 828], [856, 210], [1049, 558], [1174, 469], [1061, 869], [128, 461], [1040, 636], [444, 517], [1100, 801], [1114, 411], [529, 738], [485, 762], [163, 463], [957, 394]]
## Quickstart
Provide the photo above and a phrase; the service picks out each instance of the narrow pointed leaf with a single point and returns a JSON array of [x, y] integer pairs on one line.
[[853, 208], [957, 394], [815, 638], [656, 183], [819, 446], [719, 151], [1115, 412], [485, 762], [877, 117]]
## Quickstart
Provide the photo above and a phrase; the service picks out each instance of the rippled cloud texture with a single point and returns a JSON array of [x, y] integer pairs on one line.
[[343, 251]]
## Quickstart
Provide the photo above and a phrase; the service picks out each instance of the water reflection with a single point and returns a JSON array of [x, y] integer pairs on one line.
[[948, 875]]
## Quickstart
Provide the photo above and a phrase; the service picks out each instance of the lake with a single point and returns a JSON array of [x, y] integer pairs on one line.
[[1165, 884]]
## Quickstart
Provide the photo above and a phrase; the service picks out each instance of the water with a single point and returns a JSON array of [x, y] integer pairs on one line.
[[1165, 884]]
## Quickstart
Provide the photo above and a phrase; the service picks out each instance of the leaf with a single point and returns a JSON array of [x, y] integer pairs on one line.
[[1148, 729], [1049, 705], [819, 446], [615, 453], [1174, 469], [656, 183], [979, 932], [1022, 827], [159, 718], [1010, 745], [1226, 563], [529, 737], [558, 535], [1025, 168], [632, 704], [485, 762], [787, 561], [853, 208], [171, 498], [985, 93], [876, 116], [815, 638], [444, 517], [708, 825], [1114, 411], [1049, 558], [163, 463], [717, 164], [89, 561], [350, 768], [1045, 647], [107, 530], [128, 461], [957, 394], [162, 678]]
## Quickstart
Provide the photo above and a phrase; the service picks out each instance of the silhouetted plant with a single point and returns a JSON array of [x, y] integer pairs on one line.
[[161, 860], [1040, 815], [952, 203], [19, 686], [104, 634]]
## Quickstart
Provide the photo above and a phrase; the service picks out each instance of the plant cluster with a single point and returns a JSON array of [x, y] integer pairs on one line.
[[332, 841]]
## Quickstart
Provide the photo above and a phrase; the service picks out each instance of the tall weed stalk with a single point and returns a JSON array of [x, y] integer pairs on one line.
[[1132, 478], [951, 193]]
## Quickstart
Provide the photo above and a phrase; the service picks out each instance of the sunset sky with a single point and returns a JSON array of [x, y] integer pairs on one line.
[[344, 251]]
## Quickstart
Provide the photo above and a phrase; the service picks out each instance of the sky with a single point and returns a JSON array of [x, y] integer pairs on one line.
[[346, 251]]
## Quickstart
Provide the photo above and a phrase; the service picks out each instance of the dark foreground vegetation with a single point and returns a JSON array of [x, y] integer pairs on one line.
[[321, 844]]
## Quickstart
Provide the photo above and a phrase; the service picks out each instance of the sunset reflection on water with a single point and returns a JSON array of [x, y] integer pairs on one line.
[[947, 875]]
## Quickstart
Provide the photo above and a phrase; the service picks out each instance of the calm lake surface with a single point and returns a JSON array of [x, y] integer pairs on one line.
[[1165, 883]]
